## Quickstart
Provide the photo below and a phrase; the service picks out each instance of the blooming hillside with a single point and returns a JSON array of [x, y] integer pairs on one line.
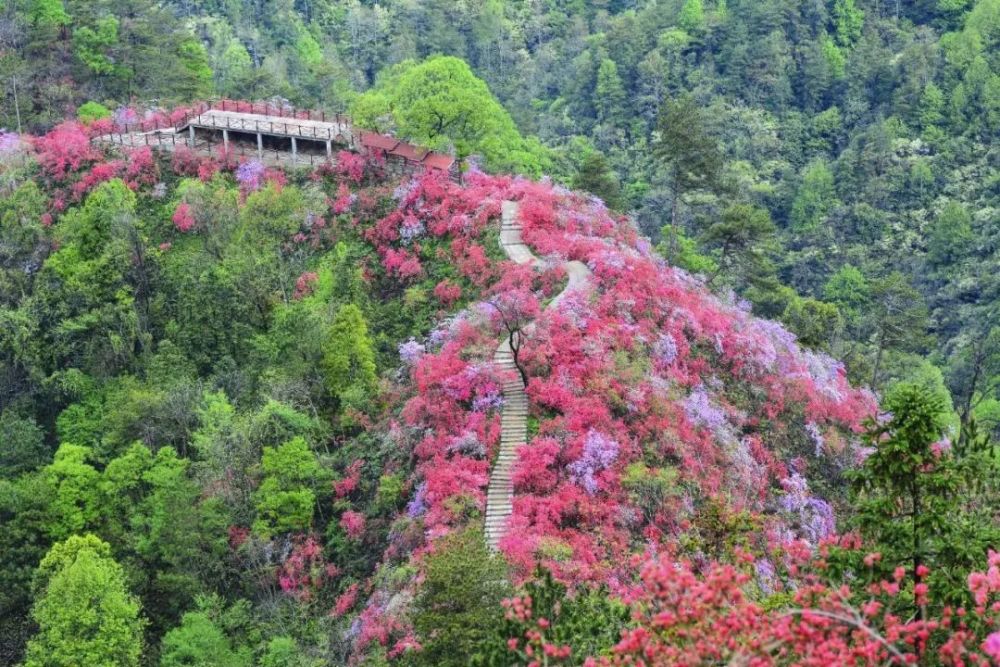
[[656, 407], [325, 388], [645, 378]]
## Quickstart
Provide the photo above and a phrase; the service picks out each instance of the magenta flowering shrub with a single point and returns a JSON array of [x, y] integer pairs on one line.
[[644, 366]]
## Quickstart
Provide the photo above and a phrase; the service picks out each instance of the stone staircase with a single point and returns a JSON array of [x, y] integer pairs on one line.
[[514, 417], [513, 434]]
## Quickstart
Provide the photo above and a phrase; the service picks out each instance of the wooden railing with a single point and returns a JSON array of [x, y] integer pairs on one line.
[[235, 106], [342, 133], [148, 132]]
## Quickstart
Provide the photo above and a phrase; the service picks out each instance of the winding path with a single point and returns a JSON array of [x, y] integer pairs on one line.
[[514, 417]]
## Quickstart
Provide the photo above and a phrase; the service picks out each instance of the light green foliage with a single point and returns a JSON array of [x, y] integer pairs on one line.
[[457, 608], [308, 49], [609, 94], [389, 493], [285, 498], [196, 81], [692, 17], [834, 56], [972, 53], [121, 487], [172, 524], [200, 642], [439, 103], [284, 652], [348, 357], [932, 106], [85, 614], [74, 482], [815, 198], [87, 288], [848, 20], [849, 291], [93, 45], [951, 235], [91, 111], [47, 13], [682, 251], [234, 68]]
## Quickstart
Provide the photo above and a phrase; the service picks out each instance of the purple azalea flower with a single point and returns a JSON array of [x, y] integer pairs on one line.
[[599, 452]]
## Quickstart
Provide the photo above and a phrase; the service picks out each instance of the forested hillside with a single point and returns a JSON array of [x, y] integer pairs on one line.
[[740, 259]]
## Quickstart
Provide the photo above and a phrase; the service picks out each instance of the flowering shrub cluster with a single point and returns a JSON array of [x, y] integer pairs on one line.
[[642, 376], [680, 616], [10, 142], [304, 569], [250, 175], [645, 367]]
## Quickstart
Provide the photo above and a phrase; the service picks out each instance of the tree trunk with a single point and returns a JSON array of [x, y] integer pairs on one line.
[[878, 359], [673, 227], [515, 350], [17, 106]]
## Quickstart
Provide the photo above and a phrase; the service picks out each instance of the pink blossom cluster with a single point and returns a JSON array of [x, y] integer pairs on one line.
[[680, 616]]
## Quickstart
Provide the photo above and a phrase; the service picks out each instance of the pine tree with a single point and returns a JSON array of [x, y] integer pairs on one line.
[[689, 155], [909, 495], [610, 98], [596, 177]]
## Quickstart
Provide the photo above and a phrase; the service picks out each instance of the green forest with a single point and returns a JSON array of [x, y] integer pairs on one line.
[[251, 415]]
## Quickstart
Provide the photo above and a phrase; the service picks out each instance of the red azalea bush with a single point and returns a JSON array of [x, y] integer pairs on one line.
[[721, 615], [643, 376], [65, 149]]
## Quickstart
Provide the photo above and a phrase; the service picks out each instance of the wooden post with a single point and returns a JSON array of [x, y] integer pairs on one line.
[[225, 139], [295, 151], [191, 134], [329, 149], [260, 146]]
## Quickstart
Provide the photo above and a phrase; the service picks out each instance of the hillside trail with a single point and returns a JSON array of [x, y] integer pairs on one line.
[[514, 416]]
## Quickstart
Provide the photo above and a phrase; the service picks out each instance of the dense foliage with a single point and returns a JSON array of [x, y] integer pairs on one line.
[[249, 416]]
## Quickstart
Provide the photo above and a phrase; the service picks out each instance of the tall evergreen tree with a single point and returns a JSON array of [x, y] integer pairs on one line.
[[688, 154]]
